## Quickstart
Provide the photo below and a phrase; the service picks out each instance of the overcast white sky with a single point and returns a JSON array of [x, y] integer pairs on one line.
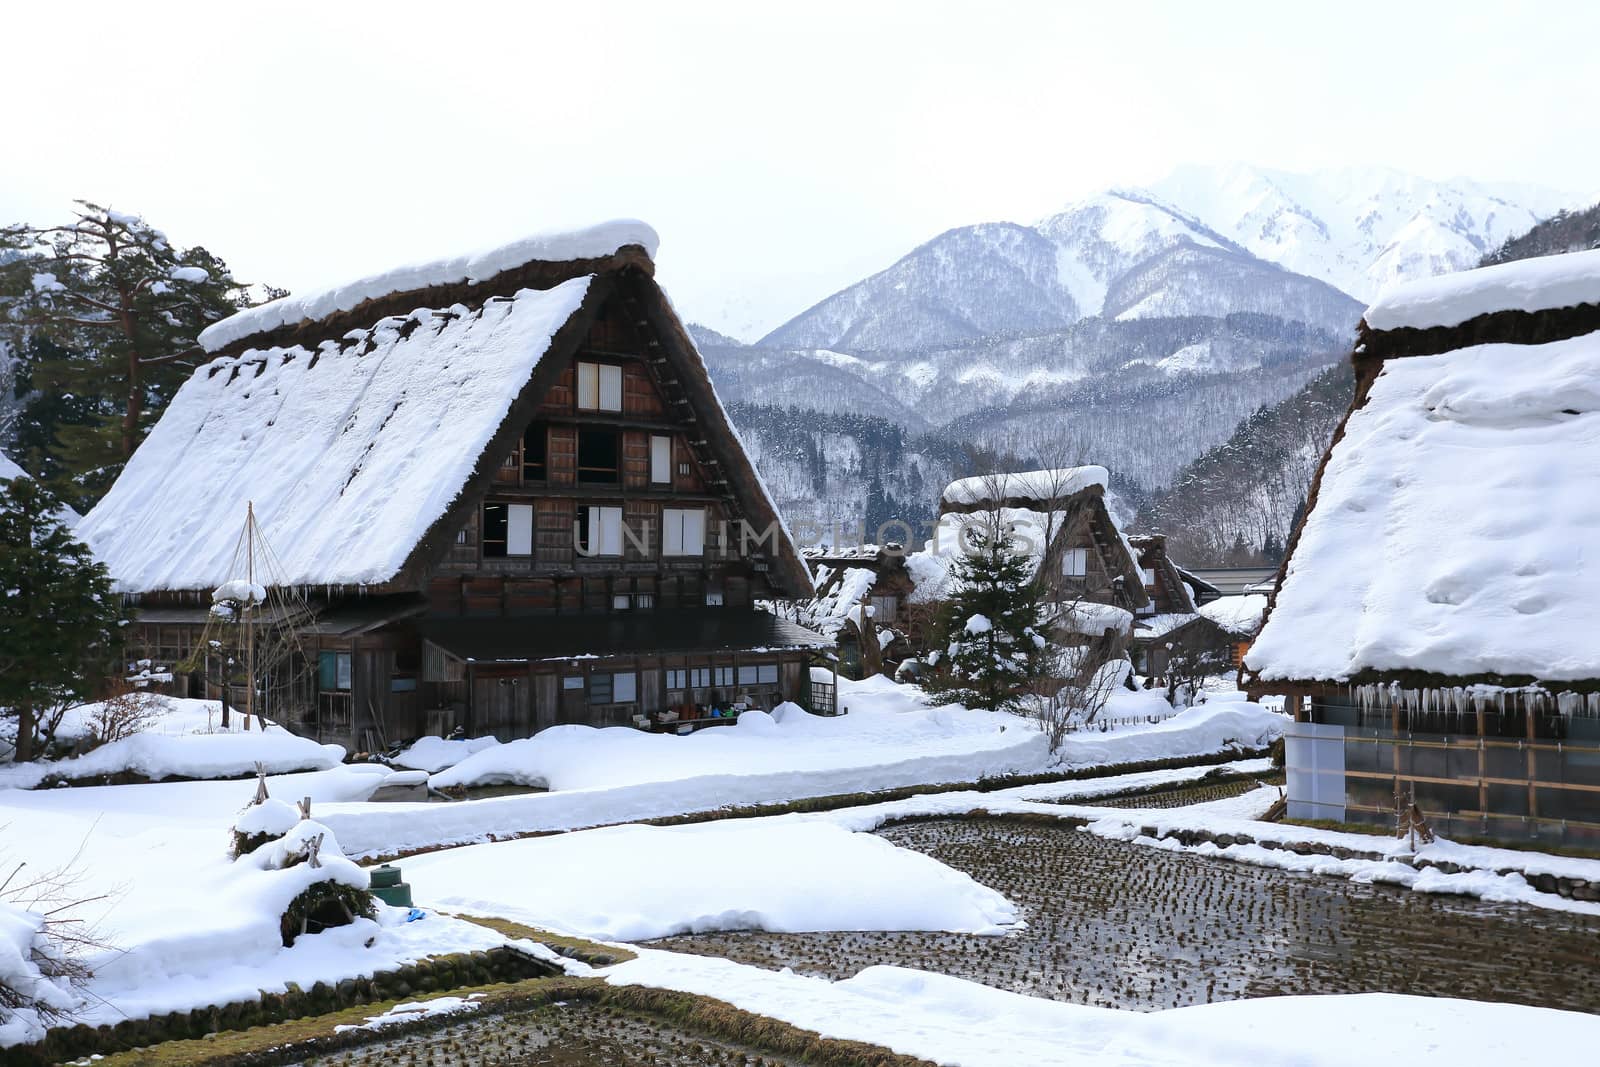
[[782, 151]]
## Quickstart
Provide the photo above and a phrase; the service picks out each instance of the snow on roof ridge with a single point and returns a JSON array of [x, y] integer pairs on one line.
[[1537, 284], [557, 246], [1025, 485]]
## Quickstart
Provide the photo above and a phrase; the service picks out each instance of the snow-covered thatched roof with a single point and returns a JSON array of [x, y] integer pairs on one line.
[[1524, 285], [1239, 615], [1036, 487], [1454, 529], [587, 243], [349, 453], [358, 445]]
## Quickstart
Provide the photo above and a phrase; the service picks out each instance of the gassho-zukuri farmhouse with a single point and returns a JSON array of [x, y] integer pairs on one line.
[[1433, 624], [495, 493]]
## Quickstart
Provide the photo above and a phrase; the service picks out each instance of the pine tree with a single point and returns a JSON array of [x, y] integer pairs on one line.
[[104, 311], [993, 651], [60, 620]]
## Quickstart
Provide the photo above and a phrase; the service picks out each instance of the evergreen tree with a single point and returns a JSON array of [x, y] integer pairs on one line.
[[103, 312], [60, 620], [993, 650]]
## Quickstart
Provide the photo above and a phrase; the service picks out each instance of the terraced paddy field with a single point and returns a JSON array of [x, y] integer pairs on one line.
[[562, 1035], [1128, 926]]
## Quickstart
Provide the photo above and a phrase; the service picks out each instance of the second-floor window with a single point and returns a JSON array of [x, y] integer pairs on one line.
[[602, 530], [599, 387], [507, 530], [683, 531], [1075, 563], [535, 442], [599, 457]]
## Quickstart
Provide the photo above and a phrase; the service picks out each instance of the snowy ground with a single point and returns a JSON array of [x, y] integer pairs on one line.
[[891, 739], [185, 925], [190, 927]]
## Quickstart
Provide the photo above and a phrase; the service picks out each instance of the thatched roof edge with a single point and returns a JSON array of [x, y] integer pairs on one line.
[[537, 274]]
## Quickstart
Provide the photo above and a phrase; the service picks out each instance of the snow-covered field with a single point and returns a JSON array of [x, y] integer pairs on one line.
[[953, 1021], [891, 739], [186, 926], [785, 874]]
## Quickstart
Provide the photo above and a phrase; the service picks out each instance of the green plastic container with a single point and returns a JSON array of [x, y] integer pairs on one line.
[[387, 886]]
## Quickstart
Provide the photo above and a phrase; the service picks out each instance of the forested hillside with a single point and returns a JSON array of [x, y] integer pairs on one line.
[[1239, 502], [1566, 231]]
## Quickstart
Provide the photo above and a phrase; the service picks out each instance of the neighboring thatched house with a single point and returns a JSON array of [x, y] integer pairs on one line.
[[1433, 627], [495, 492], [1170, 626], [860, 590], [1059, 518], [1239, 617]]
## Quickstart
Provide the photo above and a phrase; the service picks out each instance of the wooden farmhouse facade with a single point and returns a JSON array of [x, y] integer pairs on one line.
[[1433, 628], [497, 502]]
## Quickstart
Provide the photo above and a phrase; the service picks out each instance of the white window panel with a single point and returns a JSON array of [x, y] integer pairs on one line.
[[1149, 575], [604, 536], [610, 388], [767, 673], [621, 602], [661, 460], [683, 531], [624, 688], [1075, 562], [588, 386], [572, 681], [519, 530], [748, 675]]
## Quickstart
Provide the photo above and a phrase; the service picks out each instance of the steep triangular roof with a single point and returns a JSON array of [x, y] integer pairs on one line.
[[1038, 506], [365, 437], [1451, 530]]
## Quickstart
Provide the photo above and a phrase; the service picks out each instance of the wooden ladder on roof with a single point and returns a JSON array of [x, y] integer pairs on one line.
[[677, 398]]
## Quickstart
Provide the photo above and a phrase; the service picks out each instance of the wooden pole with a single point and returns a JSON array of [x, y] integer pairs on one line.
[[249, 618]]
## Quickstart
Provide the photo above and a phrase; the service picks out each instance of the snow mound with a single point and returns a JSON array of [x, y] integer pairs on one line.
[[592, 242], [157, 757], [271, 816], [784, 874], [22, 943], [434, 754], [1526, 285]]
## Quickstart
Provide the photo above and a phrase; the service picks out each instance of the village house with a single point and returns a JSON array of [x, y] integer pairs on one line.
[[1433, 626], [1059, 518], [493, 493], [861, 600], [1169, 626]]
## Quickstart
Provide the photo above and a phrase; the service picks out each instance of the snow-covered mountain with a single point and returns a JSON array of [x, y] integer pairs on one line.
[[1121, 254], [1136, 328], [1359, 229]]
